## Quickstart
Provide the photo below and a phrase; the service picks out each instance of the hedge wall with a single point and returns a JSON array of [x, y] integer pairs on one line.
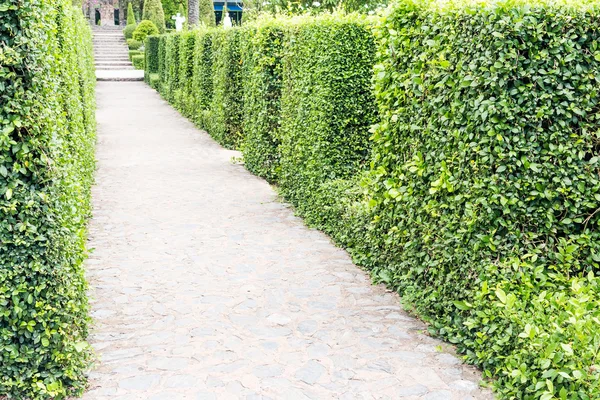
[[485, 186], [202, 82], [183, 96], [47, 136], [327, 106], [262, 53], [225, 121], [477, 196]]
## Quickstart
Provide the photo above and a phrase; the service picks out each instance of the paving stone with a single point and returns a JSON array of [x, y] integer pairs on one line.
[[206, 286], [415, 390], [140, 382], [310, 372], [438, 395]]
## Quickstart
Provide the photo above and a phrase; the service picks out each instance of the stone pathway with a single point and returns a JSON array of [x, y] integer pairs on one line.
[[205, 286]]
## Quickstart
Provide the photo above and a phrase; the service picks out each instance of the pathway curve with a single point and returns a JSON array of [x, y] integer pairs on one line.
[[205, 286]]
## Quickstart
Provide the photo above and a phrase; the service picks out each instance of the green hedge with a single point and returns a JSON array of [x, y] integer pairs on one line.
[[262, 52], [133, 44], [138, 61], [47, 136], [183, 94], [327, 107], [202, 83], [477, 196], [171, 73], [225, 121], [485, 188], [151, 53], [135, 53]]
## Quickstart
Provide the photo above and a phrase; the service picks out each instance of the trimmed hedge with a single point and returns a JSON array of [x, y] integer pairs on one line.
[[485, 186], [138, 61], [262, 53], [202, 84], [327, 107], [477, 196], [134, 44], [135, 53], [183, 93], [225, 121], [47, 125], [151, 64]]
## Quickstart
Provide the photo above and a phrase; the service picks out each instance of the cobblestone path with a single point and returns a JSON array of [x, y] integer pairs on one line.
[[205, 286]]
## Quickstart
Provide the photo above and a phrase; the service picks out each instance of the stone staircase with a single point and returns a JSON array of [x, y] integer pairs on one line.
[[112, 56]]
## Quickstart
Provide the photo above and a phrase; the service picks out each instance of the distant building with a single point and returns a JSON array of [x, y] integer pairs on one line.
[[107, 12]]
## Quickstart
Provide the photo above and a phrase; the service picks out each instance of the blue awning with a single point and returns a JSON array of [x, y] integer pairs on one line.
[[230, 7]]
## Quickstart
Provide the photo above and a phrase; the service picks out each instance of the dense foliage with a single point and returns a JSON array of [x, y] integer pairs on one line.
[[480, 201], [225, 120], [485, 185], [130, 15], [263, 71], [133, 44], [47, 130], [207, 13], [327, 107], [128, 31], [153, 11], [138, 61], [144, 29]]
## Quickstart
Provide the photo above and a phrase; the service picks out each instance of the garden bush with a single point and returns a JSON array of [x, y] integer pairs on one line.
[[47, 136], [134, 53], [183, 93], [128, 31], [225, 122], [171, 75], [484, 188], [153, 11], [138, 61], [262, 52], [202, 83], [130, 15], [134, 44], [151, 52], [144, 29], [327, 106]]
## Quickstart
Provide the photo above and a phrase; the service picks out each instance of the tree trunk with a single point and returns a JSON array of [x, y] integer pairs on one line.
[[193, 12]]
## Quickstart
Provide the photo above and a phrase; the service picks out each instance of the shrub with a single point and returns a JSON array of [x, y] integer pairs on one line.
[[225, 123], [183, 97], [128, 31], [207, 13], [202, 84], [151, 53], [153, 11], [262, 52], [171, 73], [138, 61], [134, 53], [327, 107], [130, 15], [144, 29], [485, 187], [47, 116], [134, 44]]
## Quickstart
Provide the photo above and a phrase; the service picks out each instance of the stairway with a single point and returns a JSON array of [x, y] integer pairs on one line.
[[112, 56]]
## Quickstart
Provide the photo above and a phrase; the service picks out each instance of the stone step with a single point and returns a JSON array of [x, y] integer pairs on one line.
[[109, 59], [113, 64], [113, 68]]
